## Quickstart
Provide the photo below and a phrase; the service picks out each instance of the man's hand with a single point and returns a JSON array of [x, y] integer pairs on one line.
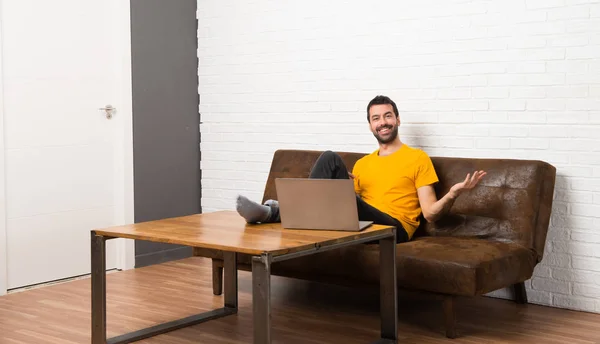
[[470, 182], [434, 209], [351, 175]]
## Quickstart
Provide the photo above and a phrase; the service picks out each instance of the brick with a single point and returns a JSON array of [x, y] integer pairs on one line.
[[457, 143], [586, 158], [506, 79], [567, 91], [569, 118], [545, 54], [469, 81], [551, 285], [543, 28], [568, 13], [545, 79], [555, 132], [560, 208], [528, 117], [583, 78], [466, 105], [546, 104], [414, 118], [557, 234], [586, 290], [567, 66], [456, 117], [580, 145], [583, 104], [576, 171], [497, 143], [581, 2], [587, 52], [582, 222], [535, 4], [594, 66], [454, 93], [490, 92], [573, 196], [586, 237], [582, 25], [585, 210], [579, 276], [555, 158], [582, 184], [586, 263], [508, 131], [490, 117], [527, 42], [573, 302], [539, 297], [507, 105], [562, 182], [569, 41], [470, 130], [596, 198], [542, 271], [529, 143], [527, 92], [559, 260]]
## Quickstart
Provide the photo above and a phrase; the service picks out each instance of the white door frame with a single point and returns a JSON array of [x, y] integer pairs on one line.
[[124, 150], [124, 171], [3, 250]]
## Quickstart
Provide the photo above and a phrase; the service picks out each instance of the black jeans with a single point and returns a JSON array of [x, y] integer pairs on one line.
[[331, 166]]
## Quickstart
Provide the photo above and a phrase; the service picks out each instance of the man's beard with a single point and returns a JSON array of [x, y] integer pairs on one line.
[[392, 135]]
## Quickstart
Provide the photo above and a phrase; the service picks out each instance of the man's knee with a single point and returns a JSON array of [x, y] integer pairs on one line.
[[330, 155]]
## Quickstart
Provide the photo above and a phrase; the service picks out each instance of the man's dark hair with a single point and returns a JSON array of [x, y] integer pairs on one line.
[[380, 100]]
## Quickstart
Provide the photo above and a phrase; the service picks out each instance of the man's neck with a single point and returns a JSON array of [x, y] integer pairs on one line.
[[390, 148]]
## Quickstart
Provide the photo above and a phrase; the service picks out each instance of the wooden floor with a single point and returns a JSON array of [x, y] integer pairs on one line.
[[303, 312]]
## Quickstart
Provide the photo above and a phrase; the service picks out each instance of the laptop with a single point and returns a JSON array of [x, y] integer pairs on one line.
[[320, 204]]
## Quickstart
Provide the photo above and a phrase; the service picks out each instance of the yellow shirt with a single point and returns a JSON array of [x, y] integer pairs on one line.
[[389, 183]]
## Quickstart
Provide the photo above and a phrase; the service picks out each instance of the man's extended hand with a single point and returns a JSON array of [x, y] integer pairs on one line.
[[470, 182]]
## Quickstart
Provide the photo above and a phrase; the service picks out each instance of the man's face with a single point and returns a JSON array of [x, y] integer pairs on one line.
[[384, 123]]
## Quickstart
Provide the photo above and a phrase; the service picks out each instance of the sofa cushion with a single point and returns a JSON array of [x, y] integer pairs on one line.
[[448, 265], [462, 266]]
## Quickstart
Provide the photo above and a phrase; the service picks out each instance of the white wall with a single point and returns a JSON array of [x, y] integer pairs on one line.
[[513, 79]]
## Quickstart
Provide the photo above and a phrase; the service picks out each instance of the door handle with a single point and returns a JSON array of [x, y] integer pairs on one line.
[[109, 110]]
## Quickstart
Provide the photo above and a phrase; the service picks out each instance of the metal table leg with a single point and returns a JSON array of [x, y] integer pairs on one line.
[[388, 291], [99, 300], [261, 298], [98, 250]]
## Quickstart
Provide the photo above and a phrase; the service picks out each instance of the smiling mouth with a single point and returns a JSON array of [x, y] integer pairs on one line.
[[385, 130]]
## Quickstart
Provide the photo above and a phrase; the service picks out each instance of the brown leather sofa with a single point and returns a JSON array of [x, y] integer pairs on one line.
[[492, 238]]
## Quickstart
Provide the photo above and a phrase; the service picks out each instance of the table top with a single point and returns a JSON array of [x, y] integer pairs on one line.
[[228, 231]]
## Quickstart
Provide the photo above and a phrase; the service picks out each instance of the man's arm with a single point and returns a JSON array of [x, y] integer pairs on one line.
[[433, 209]]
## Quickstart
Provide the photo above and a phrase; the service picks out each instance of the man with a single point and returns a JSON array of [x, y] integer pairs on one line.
[[394, 184]]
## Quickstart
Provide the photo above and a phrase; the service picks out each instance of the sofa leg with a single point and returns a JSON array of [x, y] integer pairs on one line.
[[450, 316], [217, 274], [520, 293]]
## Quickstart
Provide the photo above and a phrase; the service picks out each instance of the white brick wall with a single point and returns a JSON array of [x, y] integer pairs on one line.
[[479, 78]]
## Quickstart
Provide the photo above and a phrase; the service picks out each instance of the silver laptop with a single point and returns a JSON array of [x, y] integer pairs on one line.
[[321, 204]]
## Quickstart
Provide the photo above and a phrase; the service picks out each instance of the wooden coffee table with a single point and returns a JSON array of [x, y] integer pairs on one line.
[[267, 243]]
